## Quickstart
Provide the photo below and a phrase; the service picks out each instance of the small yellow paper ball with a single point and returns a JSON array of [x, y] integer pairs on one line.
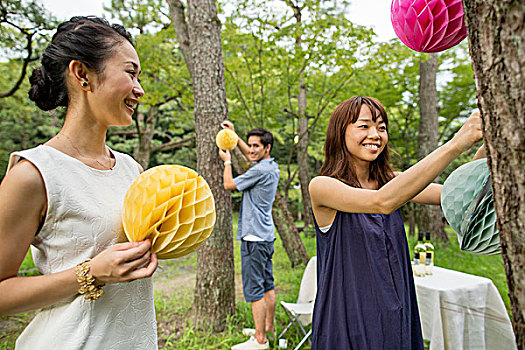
[[171, 205], [226, 139]]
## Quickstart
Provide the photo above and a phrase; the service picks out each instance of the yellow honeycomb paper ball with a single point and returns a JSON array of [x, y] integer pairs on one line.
[[226, 139], [171, 205]]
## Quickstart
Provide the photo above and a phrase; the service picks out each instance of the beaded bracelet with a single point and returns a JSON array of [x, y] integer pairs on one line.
[[87, 282]]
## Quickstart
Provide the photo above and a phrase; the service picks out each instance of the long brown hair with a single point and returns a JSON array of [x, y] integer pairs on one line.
[[337, 159]]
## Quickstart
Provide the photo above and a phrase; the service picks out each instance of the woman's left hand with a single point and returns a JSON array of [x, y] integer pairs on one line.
[[124, 262]]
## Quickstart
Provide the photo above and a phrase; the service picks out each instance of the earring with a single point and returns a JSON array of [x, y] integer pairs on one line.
[[84, 84]]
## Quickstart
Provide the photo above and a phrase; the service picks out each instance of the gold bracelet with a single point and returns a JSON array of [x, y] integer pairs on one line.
[[87, 282]]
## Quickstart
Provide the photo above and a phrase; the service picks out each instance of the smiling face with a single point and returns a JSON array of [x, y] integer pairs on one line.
[[366, 139], [257, 149], [116, 91]]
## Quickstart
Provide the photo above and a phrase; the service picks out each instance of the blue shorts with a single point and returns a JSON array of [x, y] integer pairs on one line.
[[257, 269]]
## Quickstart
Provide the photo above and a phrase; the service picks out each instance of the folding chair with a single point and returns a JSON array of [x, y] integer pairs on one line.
[[300, 313]]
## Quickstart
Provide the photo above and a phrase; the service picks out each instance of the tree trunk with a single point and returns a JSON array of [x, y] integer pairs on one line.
[[411, 219], [288, 232], [303, 160], [214, 298], [496, 32], [178, 19], [143, 150], [430, 217]]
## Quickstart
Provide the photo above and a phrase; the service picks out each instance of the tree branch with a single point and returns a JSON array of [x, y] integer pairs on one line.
[[27, 59], [173, 144], [178, 18]]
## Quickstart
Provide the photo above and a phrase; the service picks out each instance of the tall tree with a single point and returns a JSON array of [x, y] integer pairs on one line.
[[430, 217], [253, 85], [303, 160], [316, 56], [496, 32], [214, 297]]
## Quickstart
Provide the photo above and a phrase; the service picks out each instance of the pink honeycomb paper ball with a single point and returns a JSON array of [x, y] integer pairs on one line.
[[428, 25]]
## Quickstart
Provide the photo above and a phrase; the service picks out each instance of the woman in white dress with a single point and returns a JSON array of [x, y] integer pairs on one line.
[[64, 199]]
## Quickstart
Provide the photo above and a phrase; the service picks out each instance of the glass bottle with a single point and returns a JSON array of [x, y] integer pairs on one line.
[[419, 256], [429, 254]]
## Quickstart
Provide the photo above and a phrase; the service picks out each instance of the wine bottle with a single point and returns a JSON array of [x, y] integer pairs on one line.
[[429, 254], [419, 257]]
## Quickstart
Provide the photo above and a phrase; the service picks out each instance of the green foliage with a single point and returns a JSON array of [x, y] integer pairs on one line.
[[17, 20], [265, 67], [22, 124], [165, 80], [28, 266], [143, 15]]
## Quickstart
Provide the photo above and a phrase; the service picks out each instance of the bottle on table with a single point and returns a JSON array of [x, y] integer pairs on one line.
[[429, 254], [419, 256]]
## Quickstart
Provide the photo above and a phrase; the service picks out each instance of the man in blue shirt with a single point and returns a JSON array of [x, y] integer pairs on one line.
[[255, 229]]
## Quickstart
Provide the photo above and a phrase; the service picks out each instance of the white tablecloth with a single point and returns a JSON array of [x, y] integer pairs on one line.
[[462, 311]]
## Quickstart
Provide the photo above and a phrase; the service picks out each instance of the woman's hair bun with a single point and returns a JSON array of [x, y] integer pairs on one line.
[[89, 40], [44, 92]]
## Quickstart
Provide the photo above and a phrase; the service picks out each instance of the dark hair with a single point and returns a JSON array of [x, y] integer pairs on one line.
[[265, 135], [338, 161], [90, 40]]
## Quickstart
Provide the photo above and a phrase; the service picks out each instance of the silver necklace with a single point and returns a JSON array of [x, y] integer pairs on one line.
[[105, 167]]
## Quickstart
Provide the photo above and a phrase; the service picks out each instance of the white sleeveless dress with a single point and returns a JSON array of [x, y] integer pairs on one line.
[[84, 218]]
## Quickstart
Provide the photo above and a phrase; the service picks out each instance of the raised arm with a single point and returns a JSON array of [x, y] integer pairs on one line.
[[432, 193], [22, 207], [227, 176], [331, 193]]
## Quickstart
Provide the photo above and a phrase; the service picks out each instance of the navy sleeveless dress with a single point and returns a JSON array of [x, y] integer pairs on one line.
[[366, 297]]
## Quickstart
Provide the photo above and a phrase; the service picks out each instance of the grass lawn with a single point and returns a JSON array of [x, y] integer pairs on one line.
[[174, 283]]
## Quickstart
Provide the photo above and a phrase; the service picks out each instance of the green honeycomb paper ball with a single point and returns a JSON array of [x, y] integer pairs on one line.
[[468, 206]]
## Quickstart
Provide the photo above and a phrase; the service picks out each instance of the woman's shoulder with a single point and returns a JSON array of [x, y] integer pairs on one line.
[[22, 163], [324, 182], [25, 177]]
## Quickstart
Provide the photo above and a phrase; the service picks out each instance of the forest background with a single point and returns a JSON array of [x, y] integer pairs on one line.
[[286, 66], [270, 82]]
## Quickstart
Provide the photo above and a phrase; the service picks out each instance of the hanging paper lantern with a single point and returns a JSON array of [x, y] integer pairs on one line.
[[171, 205], [428, 25], [226, 139], [468, 206]]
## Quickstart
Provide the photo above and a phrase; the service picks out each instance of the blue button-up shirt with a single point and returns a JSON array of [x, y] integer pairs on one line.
[[258, 186]]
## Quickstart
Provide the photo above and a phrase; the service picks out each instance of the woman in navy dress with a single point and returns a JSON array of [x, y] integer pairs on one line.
[[366, 296]]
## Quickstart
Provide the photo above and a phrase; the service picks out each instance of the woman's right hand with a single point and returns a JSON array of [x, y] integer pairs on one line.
[[124, 262], [469, 134]]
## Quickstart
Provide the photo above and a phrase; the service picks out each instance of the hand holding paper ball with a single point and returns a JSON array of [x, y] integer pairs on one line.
[[428, 25], [226, 139], [171, 205]]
